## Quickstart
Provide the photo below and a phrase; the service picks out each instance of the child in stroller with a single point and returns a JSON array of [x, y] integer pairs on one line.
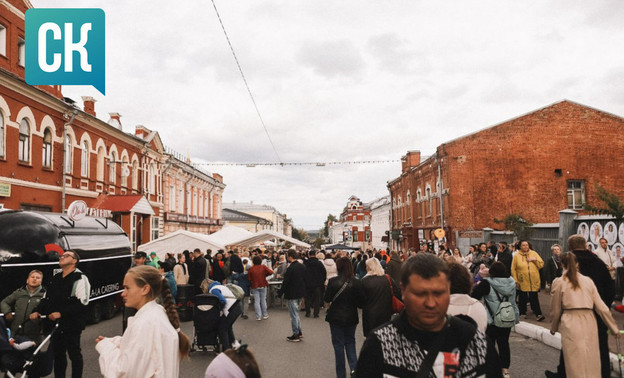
[[19, 354]]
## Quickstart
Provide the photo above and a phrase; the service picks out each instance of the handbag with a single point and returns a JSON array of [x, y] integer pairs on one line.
[[397, 304]]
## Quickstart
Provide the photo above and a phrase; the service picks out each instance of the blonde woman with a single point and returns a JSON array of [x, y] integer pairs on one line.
[[378, 291], [573, 303], [152, 345]]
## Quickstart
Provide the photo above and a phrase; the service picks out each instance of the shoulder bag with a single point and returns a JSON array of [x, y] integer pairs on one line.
[[397, 305]]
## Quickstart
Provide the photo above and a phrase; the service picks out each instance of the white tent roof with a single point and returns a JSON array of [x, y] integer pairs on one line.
[[264, 235], [228, 234], [178, 241]]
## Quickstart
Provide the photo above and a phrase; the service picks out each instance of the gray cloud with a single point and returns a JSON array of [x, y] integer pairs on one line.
[[331, 58]]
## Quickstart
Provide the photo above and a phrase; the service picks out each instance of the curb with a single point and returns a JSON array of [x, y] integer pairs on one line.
[[543, 335]]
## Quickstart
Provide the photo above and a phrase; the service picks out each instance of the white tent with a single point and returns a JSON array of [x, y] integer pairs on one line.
[[264, 235], [228, 234], [178, 241]]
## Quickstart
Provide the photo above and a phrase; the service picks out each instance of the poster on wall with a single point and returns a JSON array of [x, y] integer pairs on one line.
[[591, 247], [618, 249], [621, 232], [595, 233], [583, 230], [610, 233]]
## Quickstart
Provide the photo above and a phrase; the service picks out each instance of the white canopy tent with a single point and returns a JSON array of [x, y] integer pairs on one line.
[[228, 234], [178, 241], [265, 235]]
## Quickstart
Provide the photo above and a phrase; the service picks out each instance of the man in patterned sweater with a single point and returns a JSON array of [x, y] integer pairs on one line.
[[423, 337]]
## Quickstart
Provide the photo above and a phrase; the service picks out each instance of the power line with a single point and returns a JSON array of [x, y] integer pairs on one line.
[[245, 81], [317, 164]]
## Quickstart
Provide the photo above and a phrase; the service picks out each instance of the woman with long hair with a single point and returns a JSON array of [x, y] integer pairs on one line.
[[344, 295], [573, 303], [378, 291], [152, 345]]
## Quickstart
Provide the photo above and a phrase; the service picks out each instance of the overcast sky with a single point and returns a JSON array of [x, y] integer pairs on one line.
[[344, 80]]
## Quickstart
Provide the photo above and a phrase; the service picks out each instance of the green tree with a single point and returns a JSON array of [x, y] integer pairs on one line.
[[519, 225], [614, 205], [330, 218], [318, 242], [299, 234]]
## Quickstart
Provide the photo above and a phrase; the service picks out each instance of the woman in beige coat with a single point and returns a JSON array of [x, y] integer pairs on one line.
[[525, 268], [573, 302]]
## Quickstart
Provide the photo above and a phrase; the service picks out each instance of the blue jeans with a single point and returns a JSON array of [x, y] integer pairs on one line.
[[343, 339], [295, 322], [260, 305]]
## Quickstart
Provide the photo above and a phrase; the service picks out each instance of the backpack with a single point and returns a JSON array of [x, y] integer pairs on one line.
[[238, 291], [226, 268], [505, 316]]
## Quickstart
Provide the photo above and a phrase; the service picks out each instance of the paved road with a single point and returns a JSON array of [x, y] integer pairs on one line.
[[312, 357]]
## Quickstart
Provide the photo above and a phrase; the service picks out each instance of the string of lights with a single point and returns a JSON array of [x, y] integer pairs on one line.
[[253, 100], [317, 164]]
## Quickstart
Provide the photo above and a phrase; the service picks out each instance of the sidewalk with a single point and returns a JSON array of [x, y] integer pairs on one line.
[[541, 330]]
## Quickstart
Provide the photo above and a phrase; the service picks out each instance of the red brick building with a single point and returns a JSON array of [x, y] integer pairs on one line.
[[52, 153], [536, 165]]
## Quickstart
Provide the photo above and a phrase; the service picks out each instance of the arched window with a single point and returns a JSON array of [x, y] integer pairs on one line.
[[100, 163], [113, 168], [1, 126], [152, 179], [47, 149], [84, 160], [67, 163], [124, 171], [24, 141], [135, 175], [428, 191]]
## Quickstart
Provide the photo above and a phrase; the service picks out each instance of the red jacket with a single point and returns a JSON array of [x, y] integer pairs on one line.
[[257, 276]]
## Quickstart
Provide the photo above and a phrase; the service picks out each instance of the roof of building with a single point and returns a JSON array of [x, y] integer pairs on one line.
[[230, 215], [124, 204], [247, 206]]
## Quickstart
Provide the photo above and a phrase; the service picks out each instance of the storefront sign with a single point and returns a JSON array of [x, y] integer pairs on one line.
[[79, 209], [5, 190]]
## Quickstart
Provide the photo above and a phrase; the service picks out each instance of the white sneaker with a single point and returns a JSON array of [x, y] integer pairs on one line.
[[258, 319], [236, 344], [265, 317]]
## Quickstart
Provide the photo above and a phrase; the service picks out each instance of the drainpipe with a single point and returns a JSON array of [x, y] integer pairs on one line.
[[65, 126], [441, 190]]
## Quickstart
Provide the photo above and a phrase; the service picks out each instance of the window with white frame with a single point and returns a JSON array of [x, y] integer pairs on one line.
[[21, 51], [124, 170], [100, 164], [1, 133], [152, 179], [84, 160], [430, 207], [112, 170], [200, 203], [576, 194], [155, 227], [187, 210], [172, 199], [24, 141], [135, 175], [194, 203], [67, 163], [3, 40], [181, 201], [207, 210], [46, 154]]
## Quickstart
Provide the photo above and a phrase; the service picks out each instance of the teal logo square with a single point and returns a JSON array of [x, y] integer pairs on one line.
[[66, 46]]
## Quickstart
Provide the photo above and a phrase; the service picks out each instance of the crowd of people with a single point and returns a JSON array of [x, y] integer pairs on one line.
[[424, 312]]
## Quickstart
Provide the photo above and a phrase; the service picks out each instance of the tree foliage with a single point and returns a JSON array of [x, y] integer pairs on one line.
[[330, 218], [299, 234], [519, 225], [614, 205]]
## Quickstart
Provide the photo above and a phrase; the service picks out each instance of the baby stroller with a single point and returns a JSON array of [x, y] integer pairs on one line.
[[20, 355], [206, 314]]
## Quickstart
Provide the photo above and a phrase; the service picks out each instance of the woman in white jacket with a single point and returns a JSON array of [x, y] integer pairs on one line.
[[152, 345]]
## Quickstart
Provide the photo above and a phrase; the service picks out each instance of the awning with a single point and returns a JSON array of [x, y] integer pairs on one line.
[[179, 241], [135, 203], [265, 235]]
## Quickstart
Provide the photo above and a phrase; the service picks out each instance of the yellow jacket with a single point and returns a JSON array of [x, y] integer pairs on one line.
[[526, 273]]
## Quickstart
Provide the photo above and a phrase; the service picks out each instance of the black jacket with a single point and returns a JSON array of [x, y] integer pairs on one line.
[[293, 285], [393, 268], [591, 266], [377, 307], [506, 258], [315, 273], [60, 297], [236, 264], [217, 273], [552, 270], [198, 270], [344, 310]]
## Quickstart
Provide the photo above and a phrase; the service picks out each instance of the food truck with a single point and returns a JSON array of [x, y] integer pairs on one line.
[[35, 240]]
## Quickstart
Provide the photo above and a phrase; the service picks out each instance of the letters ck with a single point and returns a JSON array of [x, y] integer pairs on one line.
[[65, 47]]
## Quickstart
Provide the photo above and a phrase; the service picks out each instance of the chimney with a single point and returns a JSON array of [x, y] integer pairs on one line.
[[89, 105], [141, 132], [410, 160], [217, 177], [115, 120]]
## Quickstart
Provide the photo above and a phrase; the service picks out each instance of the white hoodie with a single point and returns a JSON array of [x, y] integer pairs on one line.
[[464, 304], [330, 268]]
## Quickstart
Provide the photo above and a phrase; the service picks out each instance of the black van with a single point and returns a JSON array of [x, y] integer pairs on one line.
[[31, 240]]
